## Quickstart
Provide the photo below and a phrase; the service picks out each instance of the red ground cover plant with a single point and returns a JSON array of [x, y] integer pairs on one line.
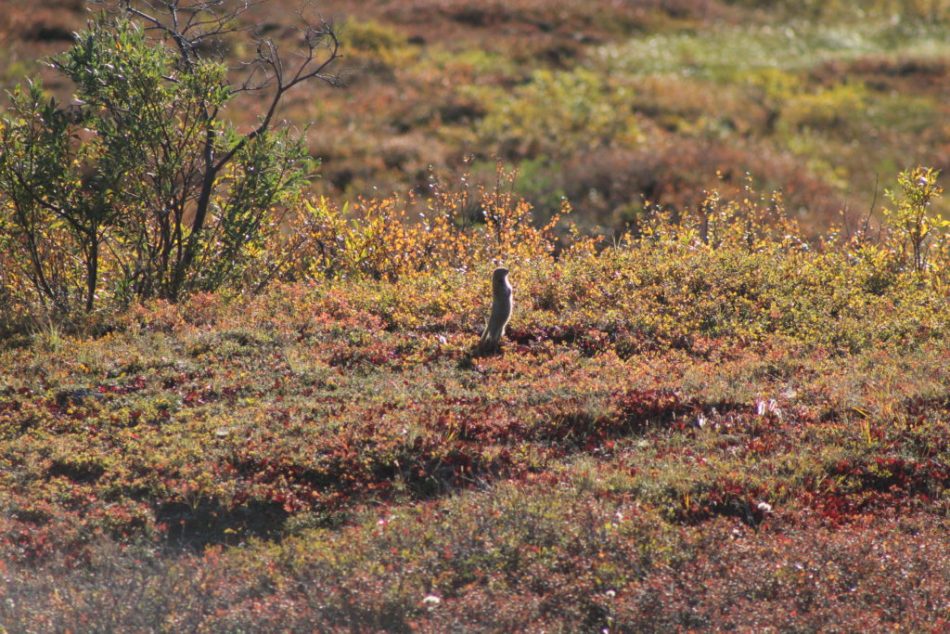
[[658, 446], [722, 419]]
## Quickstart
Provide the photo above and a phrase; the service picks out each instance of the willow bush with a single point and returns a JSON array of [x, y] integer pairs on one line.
[[141, 187]]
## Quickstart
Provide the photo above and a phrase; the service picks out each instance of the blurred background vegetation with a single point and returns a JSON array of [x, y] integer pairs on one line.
[[610, 105]]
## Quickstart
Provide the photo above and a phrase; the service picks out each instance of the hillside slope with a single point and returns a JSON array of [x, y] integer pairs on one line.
[[677, 434]]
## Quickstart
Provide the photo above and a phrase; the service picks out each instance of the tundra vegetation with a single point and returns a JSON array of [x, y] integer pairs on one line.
[[716, 407]]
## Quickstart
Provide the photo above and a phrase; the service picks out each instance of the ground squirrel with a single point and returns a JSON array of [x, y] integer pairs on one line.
[[501, 306]]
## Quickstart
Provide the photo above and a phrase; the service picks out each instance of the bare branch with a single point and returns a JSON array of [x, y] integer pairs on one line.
[[312, 66], [191, 24]]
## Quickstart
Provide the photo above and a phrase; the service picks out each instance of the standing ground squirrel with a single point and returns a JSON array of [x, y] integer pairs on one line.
[[501, 306]]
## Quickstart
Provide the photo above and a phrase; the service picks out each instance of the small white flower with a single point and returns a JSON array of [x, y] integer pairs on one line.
[[770, 406], [611, 593], [765, 507], [431, 601]]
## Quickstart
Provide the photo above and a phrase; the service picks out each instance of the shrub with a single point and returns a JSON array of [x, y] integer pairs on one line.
[[559, 113], [833, 110], [914, 228], [609, 187], [384, 239], [142, 188], [371, 36]]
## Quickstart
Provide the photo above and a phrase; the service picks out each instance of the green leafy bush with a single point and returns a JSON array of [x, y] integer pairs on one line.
[[558, 113], [832, 111], [141, 188], [916, 231]]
